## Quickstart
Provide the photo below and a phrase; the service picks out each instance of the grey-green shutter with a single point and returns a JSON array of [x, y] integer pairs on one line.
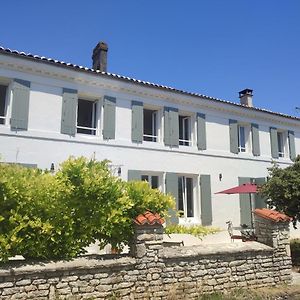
[[137, 122], [172, 188], [201, 131], [20, 105], [134, 175], [292, 147], [109, 117], [245, 209], [255, 139], [233, 133], [69, 111], [274, 142], [206, 205], [171, 126], [260, 202]]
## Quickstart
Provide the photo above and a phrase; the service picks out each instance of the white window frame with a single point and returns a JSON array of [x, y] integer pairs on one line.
[[96, 116], [155, 125], [247, 136], [189, 141], [5, 117], [195, 199], [283, 137]]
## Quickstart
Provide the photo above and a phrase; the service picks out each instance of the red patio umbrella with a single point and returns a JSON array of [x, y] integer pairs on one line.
[[245, 188]]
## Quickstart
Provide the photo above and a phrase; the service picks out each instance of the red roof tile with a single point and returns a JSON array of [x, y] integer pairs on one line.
[[272, 215], [148, 218]]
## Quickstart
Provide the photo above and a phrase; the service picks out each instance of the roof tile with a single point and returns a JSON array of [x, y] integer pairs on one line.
[[148, 218], [272, 215]]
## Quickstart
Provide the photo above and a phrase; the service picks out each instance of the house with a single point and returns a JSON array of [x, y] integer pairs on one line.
[[187, 144]]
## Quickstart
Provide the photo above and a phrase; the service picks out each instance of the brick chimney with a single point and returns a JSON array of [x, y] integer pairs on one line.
[[246, 96], [100, 57]]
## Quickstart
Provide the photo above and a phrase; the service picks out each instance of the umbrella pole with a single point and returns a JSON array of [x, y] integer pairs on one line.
[[251, 209]]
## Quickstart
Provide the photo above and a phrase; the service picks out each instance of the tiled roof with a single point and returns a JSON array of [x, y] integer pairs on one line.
[[148, 218], [272, 215], [137, 81]]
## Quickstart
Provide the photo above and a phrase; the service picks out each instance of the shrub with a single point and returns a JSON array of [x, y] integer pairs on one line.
[[295, 251], [195, 230], [56, 216]]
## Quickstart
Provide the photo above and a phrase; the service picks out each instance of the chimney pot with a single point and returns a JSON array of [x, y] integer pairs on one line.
[[99, 57], [246, 96]]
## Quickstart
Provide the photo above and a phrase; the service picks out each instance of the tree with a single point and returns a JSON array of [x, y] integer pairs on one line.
[[283, 189]]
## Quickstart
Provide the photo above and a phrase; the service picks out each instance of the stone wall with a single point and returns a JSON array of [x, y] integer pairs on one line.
[[154, 271]]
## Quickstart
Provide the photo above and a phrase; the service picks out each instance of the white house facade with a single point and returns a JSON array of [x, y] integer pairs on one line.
[[186, 144]]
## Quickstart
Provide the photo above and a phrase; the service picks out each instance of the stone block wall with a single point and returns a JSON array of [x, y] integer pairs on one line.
[[155, 272]]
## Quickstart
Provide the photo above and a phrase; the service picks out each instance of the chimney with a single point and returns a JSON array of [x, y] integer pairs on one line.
[[246, 96], [100, 57]]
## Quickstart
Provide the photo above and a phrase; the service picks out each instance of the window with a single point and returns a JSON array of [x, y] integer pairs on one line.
[[150, 125], [3, 89], [87, 117], [241, 139], [185, 131], [152, 179], [185, 196], [280, 142]]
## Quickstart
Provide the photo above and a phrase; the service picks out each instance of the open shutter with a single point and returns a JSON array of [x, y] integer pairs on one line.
[[20, 105], [69, 109], [260, 202], [134, 175], [292, 148], [274, 142], [109, 117], [137, 122], [233, 132], [255, 139], [172, 188], [171, 126], [245, 209], [206, 205], [201, 131]]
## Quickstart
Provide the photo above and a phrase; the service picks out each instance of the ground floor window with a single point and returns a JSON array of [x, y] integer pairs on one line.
[[185, 196], [153, 180]]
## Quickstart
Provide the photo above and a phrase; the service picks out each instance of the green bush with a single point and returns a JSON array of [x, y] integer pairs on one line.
[[195, 230], [295, 251], [51, 216]]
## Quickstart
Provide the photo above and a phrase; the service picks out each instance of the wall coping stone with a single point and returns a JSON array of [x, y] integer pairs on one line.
[[85, 262]]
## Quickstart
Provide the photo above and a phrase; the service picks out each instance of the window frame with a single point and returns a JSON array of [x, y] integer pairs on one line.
[[182, 116], [282, 137], [150, 175], [247, 138], [7, 97], [154, 125], [96, 117], [185, 215]]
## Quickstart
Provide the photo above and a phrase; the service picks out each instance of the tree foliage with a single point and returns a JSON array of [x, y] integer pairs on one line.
[[51, 216], [283, 189]]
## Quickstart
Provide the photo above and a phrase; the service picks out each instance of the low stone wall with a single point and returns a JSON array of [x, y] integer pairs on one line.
[[153, 271]]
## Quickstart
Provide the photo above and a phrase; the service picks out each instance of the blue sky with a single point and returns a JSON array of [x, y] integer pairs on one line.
[[213, 47]]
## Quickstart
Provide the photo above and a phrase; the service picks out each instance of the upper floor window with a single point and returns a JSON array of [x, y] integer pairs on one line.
[[280, 143], [185, 130], [3, 90], [242, 138], [150, 125], [87, 117]]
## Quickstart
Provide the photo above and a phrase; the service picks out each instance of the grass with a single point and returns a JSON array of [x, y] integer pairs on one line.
[[195, 230], [279, 293]]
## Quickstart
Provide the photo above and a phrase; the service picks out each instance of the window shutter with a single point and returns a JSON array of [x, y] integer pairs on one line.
[[167, 134], [255, 139], [172, 188], [109, 117], [137, 122], [233, 132], [245, 209], [206, 204], [69, 111], [134, 175], [274, 142], [174, 127], [260, 202], [20, 105], [292, 148], [201, 131]]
